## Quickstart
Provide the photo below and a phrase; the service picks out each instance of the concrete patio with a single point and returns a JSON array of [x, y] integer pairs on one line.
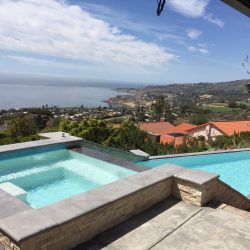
[[174, 224]]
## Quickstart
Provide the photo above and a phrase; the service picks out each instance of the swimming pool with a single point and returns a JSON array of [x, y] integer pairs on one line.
[[46, 175], [233, 168]]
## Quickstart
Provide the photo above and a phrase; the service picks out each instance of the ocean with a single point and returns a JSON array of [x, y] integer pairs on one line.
[[20, 92]]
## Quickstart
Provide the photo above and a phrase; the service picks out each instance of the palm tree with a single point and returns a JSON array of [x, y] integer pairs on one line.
[[245, 65]]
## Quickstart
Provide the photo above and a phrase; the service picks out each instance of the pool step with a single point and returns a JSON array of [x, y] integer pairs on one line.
[[13, 190], [24, 173]]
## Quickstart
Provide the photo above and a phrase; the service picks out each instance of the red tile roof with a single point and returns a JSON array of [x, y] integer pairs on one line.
[[181, 128], [159, 128], [228, 127]]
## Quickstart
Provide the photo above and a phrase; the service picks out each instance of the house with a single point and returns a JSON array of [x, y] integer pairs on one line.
[[212, 129], [155, 129], [174, 134], [160, 128]]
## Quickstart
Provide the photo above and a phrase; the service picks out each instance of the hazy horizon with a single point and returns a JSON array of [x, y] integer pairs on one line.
[[6, 78]]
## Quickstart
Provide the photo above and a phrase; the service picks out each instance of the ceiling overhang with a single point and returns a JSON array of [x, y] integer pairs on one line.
[[241, 5]]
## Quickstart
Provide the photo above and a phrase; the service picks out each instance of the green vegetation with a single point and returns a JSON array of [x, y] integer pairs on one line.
[[218, 109], [198, 119], [161, 109], [20, 129], [6, 139], [128, 137]]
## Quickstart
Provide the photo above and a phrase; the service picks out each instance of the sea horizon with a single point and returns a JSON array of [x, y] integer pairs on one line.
[[26, 92]]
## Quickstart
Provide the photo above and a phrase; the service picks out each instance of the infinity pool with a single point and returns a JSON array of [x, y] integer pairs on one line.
[[233, 168], [43, 176]]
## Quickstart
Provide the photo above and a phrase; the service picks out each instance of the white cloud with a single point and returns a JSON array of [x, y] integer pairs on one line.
[[192, 8], [195, 8], [194, 33], [130, 22], [198, 49], [56, 28], [214, 20]]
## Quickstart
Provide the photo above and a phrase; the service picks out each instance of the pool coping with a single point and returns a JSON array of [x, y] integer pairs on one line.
[[28, 222], [155, 157], [67, 140]]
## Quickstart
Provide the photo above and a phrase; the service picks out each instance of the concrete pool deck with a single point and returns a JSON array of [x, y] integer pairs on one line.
[[173, 224]]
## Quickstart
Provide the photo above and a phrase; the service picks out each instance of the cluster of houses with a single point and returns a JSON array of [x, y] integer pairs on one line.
[[165, 132]]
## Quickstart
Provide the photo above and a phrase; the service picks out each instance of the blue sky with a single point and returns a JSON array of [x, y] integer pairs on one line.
[[192, 41]]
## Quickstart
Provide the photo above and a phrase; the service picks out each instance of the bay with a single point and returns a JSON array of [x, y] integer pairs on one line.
[[35, 93]]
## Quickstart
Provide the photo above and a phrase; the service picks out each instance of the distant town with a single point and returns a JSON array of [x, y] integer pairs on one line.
[[193, 103]]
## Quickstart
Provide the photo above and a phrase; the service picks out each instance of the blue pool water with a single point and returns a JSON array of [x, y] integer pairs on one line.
[[233, 168], [51, 175]]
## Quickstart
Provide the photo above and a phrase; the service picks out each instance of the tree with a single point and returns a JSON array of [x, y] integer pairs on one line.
[[168, 114], [158, 107], [140, 114], [162, 109], [198, 119], [232, 105], [127, 137], [90, 129], [21, 126]]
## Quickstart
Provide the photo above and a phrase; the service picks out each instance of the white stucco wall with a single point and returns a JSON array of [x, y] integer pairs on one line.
[[207, 132]]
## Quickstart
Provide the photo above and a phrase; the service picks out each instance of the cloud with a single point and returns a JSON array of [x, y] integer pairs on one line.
[[127, 21], [194, 33], [198, 49], [211, 19], [195, 8], [191, 8], [67, 31]]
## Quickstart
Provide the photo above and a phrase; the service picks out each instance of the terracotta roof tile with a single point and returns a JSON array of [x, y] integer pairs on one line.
[[182, 128], [228, 127], [159, 128]]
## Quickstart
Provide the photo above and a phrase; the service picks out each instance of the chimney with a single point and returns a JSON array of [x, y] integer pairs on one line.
[[162, 119]]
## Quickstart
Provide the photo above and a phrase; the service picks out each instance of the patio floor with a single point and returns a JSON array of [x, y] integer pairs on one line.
[[173, 224]]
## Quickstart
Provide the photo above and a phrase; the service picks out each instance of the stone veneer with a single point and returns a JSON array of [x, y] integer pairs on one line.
[[197, 187]]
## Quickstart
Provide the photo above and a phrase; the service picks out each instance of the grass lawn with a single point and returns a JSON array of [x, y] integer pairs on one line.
[[220, 109]]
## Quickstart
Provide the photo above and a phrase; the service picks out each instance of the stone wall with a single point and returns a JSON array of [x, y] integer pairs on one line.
[[214, 190], [187, 191], [7, 244], [87, 226]]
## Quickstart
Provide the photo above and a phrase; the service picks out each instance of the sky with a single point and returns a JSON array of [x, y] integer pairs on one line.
[[192, 40]]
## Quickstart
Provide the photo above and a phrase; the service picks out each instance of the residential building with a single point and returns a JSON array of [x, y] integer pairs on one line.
[[160, 128], [212, 129], [174, 134]]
